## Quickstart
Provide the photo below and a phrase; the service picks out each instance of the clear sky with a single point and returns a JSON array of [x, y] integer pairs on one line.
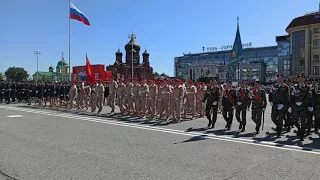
[[165, 28]]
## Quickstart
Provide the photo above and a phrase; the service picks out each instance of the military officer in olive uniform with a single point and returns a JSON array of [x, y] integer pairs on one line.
[[242, 104], [228, 104], [212, 96], [300, 105], [259, 103], [279, 98]]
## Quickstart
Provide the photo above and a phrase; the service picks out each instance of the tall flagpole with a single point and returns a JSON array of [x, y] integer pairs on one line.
[[69, 44]]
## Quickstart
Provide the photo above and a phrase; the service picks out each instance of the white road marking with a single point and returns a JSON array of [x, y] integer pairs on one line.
[[173, 131], [14, 116]]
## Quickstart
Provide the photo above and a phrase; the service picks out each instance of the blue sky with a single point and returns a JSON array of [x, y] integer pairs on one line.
[[166, 28]]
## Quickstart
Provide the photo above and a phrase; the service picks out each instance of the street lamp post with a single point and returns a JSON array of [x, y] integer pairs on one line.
[[132, 37], [37, 52]]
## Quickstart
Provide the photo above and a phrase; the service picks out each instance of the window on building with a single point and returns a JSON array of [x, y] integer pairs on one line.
[[316, 57], [316, 30], [316, 43], [316, 70]]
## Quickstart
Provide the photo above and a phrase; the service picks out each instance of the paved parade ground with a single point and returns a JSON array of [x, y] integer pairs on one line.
[[45, 144]]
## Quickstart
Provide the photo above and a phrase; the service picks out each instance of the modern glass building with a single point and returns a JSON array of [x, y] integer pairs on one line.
[[304, 33], [268, 55]]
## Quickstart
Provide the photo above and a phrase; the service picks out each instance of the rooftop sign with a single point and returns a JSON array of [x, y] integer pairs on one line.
[[224, 48]]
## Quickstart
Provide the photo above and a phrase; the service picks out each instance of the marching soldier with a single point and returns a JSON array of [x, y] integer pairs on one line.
[[228, 104], [165, 97], [73, 92], [121, 92], [259, 103], [79, 102], [300, 104], [2, 90], [100, 95], [128, 97], [316, 98], [310, 114], [200, 95], [113, 86], [177, 96], [143, 94], [279, 98], [152, 99], [212, 96], [7, 94], [159, 96], [191, 100], [136, 99], [242, 104], [86, 94], [93, 96]]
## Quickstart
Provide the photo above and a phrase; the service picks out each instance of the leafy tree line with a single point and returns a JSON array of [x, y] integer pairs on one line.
[[17, 74]]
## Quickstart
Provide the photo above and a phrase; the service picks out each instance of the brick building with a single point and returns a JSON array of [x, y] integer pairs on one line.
[[140, 70]]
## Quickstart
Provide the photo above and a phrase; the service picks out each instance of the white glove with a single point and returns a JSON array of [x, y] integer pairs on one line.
[[298, 103], [263, 109], [271, 103], [289, 109], [310, 109], [239, 103], [214, 103], [233, 107], [280, 106]]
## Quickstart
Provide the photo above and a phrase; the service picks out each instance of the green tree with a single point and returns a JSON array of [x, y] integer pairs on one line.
[[17, 74], [164, 75], [182, 78], [1, 76], [156, 74]]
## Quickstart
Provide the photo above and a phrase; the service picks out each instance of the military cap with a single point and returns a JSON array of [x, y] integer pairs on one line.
[[280, 75]]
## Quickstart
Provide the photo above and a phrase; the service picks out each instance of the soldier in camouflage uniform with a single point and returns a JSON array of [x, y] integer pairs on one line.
[[228, 104], [300, 104], [279, 98], [259, 103], [212, 96], [242, 103], [316, 98], [310, 114]]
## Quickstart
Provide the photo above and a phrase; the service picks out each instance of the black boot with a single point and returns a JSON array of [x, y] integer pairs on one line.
[[213, 124], [278, 130], [243, 128], [240, 126], [228, 126], [209, 124], [302, 135], [257, 130]]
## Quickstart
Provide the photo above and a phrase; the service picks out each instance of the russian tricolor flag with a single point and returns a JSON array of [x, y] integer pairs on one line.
[[76, 14]]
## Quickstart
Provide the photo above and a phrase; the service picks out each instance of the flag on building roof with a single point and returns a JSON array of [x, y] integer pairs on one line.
[[236, 55], [76, 14]]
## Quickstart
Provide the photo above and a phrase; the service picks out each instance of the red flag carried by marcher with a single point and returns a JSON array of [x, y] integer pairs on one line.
[[90, 73]]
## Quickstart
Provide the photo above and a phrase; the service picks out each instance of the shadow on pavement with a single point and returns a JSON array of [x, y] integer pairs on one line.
[[269, 136]]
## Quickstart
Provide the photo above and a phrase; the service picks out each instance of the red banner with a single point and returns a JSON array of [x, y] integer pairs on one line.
[[108, 75], [79, 73]]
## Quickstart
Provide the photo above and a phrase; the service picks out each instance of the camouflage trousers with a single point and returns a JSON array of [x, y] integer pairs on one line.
[[242, 110], [256, 115], [299, 116], [317, 117], [277, 116], [214, 110], [227, 113]]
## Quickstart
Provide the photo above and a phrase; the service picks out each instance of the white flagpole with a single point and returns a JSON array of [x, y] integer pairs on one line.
[[69, 44]]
